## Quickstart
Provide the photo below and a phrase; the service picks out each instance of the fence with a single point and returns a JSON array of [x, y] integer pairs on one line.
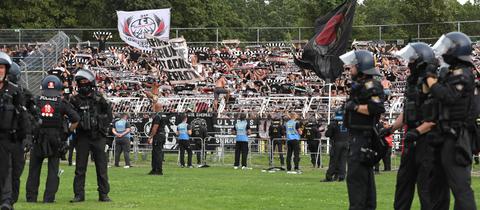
[[45, 57], [428, 32]]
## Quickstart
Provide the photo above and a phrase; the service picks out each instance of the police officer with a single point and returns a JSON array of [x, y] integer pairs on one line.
[[338, 135], [312, 135], [95, 116], [184, 130], [199, 132], [14, 125], [419, 162], [363, 110], [275, 131], [242, 130], [454, 89], [12, 185], [49, 142], [292, 133], [157, 139]]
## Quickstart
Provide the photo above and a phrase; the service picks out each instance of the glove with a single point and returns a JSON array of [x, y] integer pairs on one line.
[[27, 143], [63, 149], [385, 132], [412, 135], [351, 106]]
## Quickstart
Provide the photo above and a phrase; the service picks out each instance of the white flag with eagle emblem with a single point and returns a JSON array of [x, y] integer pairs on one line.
[[135, 26]]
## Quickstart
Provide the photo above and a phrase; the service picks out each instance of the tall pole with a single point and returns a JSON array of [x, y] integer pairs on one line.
[[329, 101]]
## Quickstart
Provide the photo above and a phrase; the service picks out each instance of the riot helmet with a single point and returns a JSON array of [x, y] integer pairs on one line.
[[14, 73], [85, 81], [420, 58], [454, 47], [7, 61], [51, 86], [363, 61]]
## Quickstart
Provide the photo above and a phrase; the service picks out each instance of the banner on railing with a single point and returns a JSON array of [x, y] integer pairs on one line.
[[172, 57]]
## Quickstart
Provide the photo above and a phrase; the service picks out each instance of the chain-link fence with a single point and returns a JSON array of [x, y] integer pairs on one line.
[[34, 66], [428, 32]]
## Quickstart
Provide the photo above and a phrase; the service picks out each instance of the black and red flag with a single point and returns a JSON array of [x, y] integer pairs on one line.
[[332, 32]]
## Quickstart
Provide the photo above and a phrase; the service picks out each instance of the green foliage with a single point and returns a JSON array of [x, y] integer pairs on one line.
[[246, 13]]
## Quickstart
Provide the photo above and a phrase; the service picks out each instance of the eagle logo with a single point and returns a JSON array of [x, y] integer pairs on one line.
[[144, 25]]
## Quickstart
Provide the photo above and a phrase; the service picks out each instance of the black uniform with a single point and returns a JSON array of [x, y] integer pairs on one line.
[[312, 135], [11, 190], [199, 132], [158, 142], [95, 116], [48, 144], [455, 93], [275, 132], [14, 126], [360, 177], [419, 162], [338, 135]]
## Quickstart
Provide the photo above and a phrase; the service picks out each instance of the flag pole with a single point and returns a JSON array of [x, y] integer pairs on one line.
[[329, 101]]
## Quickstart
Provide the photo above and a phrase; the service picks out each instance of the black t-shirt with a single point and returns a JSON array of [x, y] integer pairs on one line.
[[202, 56], [390, 76], [276, 129], [160, 121], [134, 56], [311, 131]]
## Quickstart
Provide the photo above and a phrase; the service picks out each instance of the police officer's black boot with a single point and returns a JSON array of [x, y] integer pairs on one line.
[[104, 198], [77, 199]]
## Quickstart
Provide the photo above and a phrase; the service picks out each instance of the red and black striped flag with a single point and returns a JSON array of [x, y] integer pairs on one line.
[[332, 32]]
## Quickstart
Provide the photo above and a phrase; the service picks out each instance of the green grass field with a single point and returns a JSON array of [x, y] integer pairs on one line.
[[218, 187]]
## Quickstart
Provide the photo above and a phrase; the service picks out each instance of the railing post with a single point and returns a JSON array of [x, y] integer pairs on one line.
[[380, 32], [19, 37], [418, 32], [258, 35], [458, 26], [216, 41], [299, 34]]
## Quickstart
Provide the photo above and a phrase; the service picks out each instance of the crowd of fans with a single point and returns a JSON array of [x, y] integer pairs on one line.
[[250, 71]]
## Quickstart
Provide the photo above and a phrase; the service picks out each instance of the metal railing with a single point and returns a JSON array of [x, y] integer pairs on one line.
[[254, 35], [42, 59]]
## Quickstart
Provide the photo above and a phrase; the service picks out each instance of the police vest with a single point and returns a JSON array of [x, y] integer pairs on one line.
[[241, 128], [50, 112], [291, 130], [412, 108], [183, 131], [459, 80], [363, 92], [7, 107], [276, 129], [121, 126], [85, 107]]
